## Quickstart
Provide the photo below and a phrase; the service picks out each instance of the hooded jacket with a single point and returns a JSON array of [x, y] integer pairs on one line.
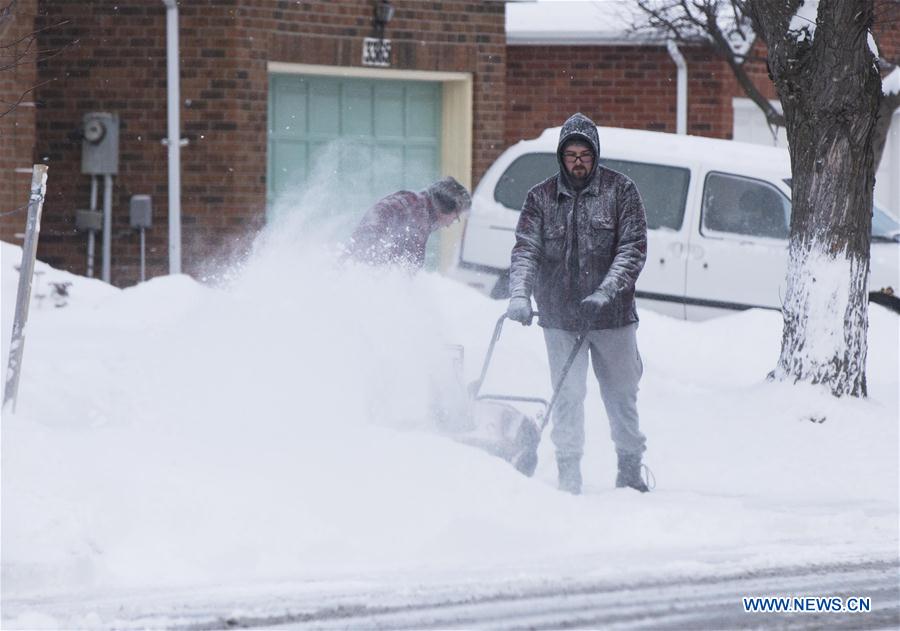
[[572, 243]]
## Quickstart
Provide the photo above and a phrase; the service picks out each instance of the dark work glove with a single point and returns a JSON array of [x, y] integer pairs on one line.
[[519, 309], [595, 304]]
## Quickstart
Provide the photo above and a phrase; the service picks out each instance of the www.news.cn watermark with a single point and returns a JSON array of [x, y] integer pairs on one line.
[[807, 604]]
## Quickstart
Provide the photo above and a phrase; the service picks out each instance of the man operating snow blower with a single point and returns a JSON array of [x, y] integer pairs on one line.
[[395, 230], [581, 242]]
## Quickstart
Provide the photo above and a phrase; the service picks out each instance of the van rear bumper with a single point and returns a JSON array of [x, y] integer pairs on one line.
[[483, 269], [479, 277]]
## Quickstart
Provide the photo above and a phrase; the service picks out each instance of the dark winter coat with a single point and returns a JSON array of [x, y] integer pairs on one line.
[[395, 231], [570, 244]]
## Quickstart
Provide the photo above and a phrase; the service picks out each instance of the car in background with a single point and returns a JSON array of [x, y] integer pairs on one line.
[[718, 218]]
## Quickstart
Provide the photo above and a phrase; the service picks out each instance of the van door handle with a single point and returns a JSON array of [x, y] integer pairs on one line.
[[677, 249], [695, 252]]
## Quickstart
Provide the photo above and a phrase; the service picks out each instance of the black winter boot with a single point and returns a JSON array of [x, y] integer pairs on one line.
[[630, 473], [569, 474]]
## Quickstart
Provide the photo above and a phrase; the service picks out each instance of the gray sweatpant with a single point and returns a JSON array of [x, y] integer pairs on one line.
[[618, 368]]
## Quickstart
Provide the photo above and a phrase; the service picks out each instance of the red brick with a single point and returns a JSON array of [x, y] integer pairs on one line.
[[118, 64]]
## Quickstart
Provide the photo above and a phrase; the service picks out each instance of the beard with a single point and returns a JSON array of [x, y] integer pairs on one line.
[[579, 176]]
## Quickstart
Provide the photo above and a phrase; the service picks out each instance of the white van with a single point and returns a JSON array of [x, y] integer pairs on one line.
[[718, 215]]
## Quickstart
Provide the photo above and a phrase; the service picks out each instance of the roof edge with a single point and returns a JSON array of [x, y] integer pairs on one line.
[[574, 38]]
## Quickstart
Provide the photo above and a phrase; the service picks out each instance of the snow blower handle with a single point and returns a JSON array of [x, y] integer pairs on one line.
[[579, 342], [475, 387]]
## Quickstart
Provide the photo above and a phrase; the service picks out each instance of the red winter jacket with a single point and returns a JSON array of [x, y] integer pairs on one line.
[[395, 231]]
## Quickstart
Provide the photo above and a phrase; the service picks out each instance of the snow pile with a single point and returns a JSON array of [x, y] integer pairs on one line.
[[278, 428], [50, 289], [891, 83]]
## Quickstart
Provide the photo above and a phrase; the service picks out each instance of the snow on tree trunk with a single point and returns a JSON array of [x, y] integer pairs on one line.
[[829, 87], [825, 320]]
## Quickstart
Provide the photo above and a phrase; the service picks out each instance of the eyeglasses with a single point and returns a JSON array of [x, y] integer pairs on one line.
[[584, 158]]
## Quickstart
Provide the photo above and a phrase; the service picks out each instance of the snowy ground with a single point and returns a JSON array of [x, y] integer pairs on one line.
[[276, 429]]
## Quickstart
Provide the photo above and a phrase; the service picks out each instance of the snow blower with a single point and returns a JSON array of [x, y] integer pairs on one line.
[[499, 427]]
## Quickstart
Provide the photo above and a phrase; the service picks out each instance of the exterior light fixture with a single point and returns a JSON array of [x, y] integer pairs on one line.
[[384, 11]]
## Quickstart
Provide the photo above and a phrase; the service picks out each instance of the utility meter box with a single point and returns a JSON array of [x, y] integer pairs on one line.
[[140, 211], [89, 220], [100, 144]]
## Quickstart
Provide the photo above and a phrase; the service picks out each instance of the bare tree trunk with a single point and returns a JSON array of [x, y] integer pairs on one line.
[[830, 91]]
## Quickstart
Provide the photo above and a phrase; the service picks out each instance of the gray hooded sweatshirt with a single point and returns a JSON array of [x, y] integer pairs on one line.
[[571, 243]]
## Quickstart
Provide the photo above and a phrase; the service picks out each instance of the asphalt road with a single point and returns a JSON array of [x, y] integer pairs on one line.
[[524, 601], [695, 604]]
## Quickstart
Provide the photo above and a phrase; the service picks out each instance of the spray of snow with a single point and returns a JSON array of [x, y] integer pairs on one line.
[[249, 412]]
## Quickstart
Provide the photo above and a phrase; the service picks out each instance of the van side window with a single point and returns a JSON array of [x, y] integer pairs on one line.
[[741, 205], [525, 171], [663, 188]]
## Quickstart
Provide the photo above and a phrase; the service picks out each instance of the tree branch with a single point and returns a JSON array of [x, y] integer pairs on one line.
[[32, 36], [24, 51], [37, 56], [21, 98], [773, 117], [771, 20], [685, 20]]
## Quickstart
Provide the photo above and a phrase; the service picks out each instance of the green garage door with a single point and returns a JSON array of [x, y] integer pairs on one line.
[[336, 145]]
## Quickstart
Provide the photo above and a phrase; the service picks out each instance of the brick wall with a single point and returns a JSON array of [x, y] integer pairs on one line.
[[887, 29], [112, 59], [635, 86], [116, 62], [756, 69], [16, 116], [617, 86]]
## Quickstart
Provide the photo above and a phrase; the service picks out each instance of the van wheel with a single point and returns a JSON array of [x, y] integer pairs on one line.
[[890, 301], [501, 287]]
